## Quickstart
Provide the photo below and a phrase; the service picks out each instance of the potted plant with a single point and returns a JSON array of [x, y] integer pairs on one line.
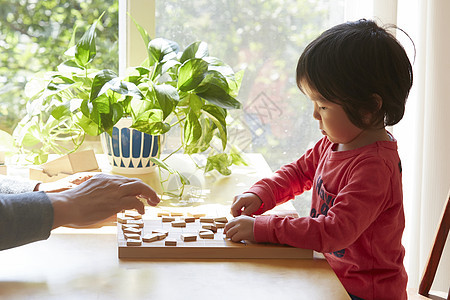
[[186, 90]]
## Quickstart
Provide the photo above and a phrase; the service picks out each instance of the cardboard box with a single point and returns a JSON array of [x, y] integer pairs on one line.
[[82, 161]]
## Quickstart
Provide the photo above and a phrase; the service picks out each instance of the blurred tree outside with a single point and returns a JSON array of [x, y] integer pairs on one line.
[[33, 38]]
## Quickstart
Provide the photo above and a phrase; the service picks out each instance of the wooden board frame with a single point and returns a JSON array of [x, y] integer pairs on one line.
[[219, 247]]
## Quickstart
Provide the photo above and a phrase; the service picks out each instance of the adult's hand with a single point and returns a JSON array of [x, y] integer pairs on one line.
[[98, 198]]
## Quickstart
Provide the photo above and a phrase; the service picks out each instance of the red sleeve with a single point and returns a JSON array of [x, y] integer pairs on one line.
[[356, 206], [290, 180]]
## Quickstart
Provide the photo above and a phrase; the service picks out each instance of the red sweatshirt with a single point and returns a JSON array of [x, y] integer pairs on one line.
[[356, 217]]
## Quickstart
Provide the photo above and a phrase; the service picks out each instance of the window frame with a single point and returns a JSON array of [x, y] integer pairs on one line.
[[131, 52]]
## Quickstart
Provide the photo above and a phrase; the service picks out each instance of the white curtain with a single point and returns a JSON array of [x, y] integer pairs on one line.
[[424, 133]]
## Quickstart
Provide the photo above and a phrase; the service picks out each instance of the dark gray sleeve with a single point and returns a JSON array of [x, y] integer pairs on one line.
[[24, 218], [11, 185]]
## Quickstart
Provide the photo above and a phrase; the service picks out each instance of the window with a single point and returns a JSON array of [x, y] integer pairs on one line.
[[265, 38]]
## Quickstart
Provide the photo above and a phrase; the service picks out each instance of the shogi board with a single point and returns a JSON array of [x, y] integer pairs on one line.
[[219, 247]]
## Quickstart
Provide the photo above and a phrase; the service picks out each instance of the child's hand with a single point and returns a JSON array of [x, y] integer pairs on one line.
[[240, 228], [245, 204]]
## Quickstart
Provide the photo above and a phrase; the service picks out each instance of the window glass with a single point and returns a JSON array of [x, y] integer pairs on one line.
[[265, 38], [33, 38]]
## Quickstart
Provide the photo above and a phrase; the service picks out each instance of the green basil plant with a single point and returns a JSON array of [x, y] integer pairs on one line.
[[187, 89]]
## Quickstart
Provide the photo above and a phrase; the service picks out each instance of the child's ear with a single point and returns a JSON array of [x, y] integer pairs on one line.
[[373, 117], [377, 98]]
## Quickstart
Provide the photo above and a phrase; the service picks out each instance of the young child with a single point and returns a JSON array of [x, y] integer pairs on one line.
[[358, 77]]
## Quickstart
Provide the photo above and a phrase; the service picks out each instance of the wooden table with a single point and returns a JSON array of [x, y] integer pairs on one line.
[[84, 264]]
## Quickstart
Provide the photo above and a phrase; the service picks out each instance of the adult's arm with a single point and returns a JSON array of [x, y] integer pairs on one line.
[[24, 218], [29, 217]]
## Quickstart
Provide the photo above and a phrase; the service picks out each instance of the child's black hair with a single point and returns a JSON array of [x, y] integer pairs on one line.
[[351, 63]]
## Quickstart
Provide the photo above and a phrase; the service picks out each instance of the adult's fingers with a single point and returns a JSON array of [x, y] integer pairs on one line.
[[138, 188], [131, 202], [150, 201], [81, 177]]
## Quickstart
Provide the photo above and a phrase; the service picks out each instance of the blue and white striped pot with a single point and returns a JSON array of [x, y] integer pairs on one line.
[[129, 150]]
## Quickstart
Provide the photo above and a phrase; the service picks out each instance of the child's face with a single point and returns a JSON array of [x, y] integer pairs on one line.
[[333, 120]]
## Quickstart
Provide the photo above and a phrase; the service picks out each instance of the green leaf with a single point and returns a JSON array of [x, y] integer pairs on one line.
[[234, 79], [192, 129], [89, 126], [70, 66], [166, 95], [195, 50], [57, 84], [160, 163], [169, 65], [61, 111], [122, 87], [126, 105], [117, 112], [220, 98], [214, 89], [235, 84], [102, 104], [151, 122], [30, 137], [40, 158], [191, 74], [162, 50], [204, 142], [90, 111], [112, 117], [218, 116], [236, 157], [191, 101], [218, 65], [85, 49], [213, 78], [143, 71], [220, 162], [99, 81], [140, 106], [100, 115]]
